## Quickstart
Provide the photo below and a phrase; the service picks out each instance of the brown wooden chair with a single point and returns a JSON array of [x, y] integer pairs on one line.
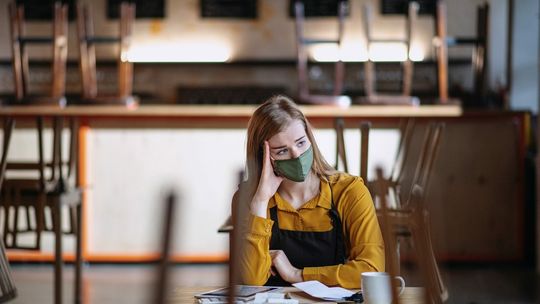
[[372, 97], [8, 291], [480, 42], [87, 56], [341, 154], [410, 218], [302, 42], [19, 45], [44, 188]]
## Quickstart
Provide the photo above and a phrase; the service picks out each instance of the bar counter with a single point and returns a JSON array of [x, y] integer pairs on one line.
[[216, 111], [127, 155]]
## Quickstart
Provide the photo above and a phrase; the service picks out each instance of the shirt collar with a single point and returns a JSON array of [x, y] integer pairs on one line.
[[322, 200]]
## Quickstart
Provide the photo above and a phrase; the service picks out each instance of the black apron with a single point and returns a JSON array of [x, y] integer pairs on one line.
[[308, 248]]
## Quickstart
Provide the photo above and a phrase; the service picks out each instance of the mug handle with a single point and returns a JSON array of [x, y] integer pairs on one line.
[[402, 282]]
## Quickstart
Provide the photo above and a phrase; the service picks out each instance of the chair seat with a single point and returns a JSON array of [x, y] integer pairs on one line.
[[111, 100], [32, 100], [389, 100], [330, 100]]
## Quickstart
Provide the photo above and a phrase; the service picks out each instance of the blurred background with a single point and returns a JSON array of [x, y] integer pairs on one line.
[[196, 69]]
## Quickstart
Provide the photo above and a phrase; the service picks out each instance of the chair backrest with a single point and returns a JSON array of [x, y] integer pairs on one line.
[[418, 163], [302, 52], [406, 129], [341, 154], [436, 291], [19, 44], [364, 149], [87, 54]]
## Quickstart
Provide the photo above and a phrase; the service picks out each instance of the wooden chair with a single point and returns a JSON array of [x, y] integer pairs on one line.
[[19, 46], [409, 218], [8, 291], [443, 42], [341, 155], [372, 97], [302, 60], [28, 200], [87, 56]]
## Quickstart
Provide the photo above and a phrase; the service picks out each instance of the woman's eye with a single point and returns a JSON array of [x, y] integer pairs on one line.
[[301, 143], [282, 152]]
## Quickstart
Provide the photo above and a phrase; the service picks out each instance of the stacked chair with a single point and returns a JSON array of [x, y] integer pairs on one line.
[[372, 97], [19, 46], [443, 42], [302, 43], [37, 193], [87, 56]]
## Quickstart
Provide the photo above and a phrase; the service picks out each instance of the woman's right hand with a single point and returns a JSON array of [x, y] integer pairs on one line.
[[268, 185]]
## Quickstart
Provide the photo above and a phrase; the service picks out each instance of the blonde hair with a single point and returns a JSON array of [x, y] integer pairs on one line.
[[270, 118]]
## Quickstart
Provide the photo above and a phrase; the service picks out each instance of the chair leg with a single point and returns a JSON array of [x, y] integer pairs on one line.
[[78, 252], [7, 208], [58, 260], [16, 204]]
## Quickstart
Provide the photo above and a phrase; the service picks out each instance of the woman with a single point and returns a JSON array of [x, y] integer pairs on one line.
[[304, 220]]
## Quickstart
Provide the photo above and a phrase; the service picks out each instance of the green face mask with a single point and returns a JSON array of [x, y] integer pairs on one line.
[[295, 169]]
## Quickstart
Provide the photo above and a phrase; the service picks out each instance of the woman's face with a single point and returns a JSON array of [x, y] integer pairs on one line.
[[290, 143]]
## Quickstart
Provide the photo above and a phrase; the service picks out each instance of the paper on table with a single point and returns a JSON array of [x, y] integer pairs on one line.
[[319, 290]]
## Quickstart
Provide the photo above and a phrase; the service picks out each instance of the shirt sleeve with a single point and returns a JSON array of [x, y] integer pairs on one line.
[[255, 260], [363, 234]]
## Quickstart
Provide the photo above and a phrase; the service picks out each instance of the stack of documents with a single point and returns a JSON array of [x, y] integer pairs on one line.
[[319, 290]]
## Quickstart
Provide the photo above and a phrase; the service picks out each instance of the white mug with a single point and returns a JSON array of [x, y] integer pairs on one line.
[[376, 287]]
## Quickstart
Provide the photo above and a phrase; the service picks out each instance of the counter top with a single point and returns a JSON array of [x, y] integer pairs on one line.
[[237, 111]]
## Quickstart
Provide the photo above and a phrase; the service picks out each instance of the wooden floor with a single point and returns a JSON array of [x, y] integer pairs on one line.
[[133, 284]]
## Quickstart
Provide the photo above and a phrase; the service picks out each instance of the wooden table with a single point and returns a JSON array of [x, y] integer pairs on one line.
[[181, 295]]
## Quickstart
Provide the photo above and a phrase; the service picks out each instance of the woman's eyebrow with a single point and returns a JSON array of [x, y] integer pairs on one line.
[[281, 147]]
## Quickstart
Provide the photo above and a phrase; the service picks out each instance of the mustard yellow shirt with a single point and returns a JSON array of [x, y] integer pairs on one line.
[[362, 235]]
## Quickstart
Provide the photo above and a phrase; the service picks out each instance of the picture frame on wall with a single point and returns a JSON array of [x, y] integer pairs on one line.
[[400, 7], [38, 10], [319, 8], [234, 9], [144, 9]]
